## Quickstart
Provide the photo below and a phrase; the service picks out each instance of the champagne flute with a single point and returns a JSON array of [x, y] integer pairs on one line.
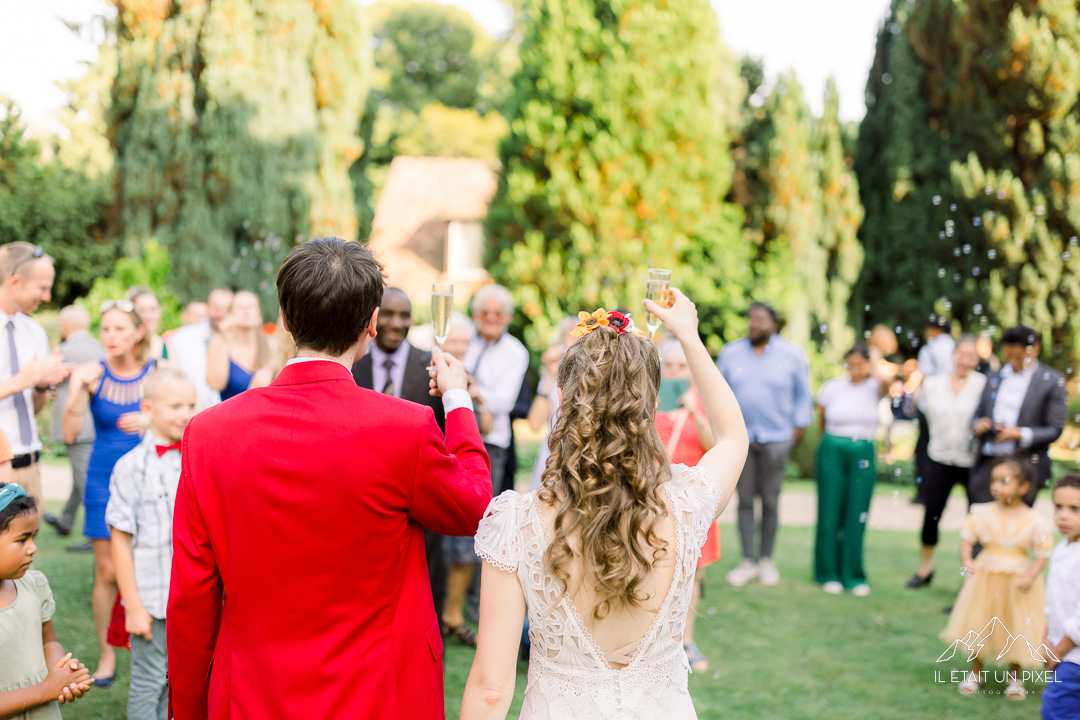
[[657, 289], [442, 310]]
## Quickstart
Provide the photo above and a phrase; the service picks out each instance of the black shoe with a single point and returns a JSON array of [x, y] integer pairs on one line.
[[83, 548], [61, 529], [918, 580]]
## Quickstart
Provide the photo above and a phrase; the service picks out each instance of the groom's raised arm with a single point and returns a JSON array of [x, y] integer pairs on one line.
[[193, 617], [452, 484]]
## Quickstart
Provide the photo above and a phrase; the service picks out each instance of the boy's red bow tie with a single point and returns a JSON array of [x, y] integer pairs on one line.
[[162, 449]]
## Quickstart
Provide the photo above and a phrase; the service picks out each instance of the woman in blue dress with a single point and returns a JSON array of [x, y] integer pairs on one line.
[[111, 390], [238, 356]]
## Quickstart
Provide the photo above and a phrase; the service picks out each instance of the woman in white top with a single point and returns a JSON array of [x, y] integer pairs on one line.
[[948, 402], [602, 557], [848, 417]]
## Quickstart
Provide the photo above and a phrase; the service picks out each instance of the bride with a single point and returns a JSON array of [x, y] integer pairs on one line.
[[602, 556]]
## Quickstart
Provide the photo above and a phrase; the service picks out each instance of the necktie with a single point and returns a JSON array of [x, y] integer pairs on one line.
[[25, 434], [388, 388], [162, 449]]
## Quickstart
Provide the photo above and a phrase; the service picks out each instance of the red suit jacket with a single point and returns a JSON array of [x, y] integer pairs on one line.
[[299, 586]]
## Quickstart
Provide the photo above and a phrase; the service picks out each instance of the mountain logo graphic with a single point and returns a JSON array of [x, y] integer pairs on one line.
[[973, 642]]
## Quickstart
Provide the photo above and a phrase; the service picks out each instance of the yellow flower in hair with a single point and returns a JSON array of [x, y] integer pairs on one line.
[[587, 323]]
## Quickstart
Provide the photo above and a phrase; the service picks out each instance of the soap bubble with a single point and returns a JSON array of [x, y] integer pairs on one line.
[[976, 221], [966, 571], [862, 517], [991, 253], [941, 272], [937, 200], [864, 464], [967, 249]]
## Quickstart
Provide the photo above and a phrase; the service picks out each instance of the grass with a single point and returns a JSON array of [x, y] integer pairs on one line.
[[787, 652]]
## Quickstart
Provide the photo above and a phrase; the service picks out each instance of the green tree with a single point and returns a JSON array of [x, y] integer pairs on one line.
[[841, 216], [150, 270], [903, 169], [234, 125], [45, 203], [616, 162], [802, 211], [438, 81], [969, 166]]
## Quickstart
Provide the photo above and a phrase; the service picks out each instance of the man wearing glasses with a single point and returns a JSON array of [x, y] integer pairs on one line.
[[28, 370]]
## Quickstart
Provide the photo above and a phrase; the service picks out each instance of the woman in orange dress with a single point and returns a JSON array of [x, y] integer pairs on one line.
[[686, 435]]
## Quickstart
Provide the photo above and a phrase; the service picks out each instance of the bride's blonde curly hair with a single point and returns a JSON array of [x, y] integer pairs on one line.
[[606, 468]]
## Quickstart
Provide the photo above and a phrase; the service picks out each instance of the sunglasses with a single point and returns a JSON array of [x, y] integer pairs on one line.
[[36, 253], [123, 305]]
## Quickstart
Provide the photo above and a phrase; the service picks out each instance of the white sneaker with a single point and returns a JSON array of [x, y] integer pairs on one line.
[[743, 573], [861, 590], [833, 588], [767, 573]]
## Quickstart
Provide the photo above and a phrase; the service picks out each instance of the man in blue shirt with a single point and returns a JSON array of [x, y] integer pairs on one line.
[[771, 379]]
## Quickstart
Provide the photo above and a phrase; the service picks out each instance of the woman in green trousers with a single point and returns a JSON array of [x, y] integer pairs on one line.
[[848, 417]]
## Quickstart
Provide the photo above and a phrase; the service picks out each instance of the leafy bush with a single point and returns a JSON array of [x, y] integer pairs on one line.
[[152, 271]]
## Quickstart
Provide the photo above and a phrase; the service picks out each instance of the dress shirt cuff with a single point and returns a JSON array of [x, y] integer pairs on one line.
[[1026, 437], [455, 400]]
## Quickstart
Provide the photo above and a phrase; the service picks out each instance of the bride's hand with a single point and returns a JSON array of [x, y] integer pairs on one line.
[[680, 319]]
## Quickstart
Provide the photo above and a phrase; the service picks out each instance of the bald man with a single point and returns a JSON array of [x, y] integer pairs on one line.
[[77, 346]]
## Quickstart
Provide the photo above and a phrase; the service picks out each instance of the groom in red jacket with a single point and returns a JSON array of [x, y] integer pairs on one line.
[[299, 587]]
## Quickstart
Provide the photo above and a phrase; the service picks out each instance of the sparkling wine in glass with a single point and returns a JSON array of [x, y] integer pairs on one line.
[[657, 289], [442, 310]]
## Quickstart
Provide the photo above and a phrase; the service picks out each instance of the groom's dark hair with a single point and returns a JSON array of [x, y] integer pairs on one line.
[[328, 290]]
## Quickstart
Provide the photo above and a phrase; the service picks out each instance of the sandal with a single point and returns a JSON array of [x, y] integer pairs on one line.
[[465, 634], [1015, 690], [970, 686], [698, 661]]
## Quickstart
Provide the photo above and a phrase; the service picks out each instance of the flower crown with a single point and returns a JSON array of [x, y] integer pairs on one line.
[[621, 324]]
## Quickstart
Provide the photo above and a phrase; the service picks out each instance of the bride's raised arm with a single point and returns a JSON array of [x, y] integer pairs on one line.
[[726, 459]]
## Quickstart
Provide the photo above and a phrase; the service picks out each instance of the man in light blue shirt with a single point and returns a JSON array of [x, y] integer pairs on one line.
[[770, 377]]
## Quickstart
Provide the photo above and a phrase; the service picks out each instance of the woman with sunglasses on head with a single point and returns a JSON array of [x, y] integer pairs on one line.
[[111, 390]]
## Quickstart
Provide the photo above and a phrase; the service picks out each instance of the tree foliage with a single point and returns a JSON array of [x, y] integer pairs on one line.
[[45, 203], [969, 162], [802, 211], [150, 270], [234, 125], [616, 161], [439, 78]]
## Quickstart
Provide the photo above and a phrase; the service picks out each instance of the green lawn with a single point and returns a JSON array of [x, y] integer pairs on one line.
[[786, 652]]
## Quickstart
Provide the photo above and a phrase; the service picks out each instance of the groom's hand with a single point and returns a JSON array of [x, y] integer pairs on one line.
[[447, 373]]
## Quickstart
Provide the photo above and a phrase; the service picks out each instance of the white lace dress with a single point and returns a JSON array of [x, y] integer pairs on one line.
[[569, 676]]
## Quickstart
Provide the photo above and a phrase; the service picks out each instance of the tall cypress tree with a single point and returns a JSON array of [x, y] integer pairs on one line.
[[802, 211], [902, 165], [234, 124], [967, 162], [616, 162]]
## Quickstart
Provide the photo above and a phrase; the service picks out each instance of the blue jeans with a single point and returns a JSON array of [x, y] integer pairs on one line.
[[1061, 699]]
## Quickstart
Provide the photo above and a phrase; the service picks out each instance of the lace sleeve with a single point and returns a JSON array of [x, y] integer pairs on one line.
[[701, 495], [498, 539]]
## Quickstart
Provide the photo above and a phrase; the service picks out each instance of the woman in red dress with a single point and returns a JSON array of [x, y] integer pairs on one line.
[[686, 435]]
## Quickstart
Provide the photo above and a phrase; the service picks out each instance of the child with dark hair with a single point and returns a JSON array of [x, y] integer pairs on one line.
[[1061, 699], [36, 675], [1003, 594]]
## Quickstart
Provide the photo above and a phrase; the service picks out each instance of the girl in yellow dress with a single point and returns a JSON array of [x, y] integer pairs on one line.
[[998, 615]]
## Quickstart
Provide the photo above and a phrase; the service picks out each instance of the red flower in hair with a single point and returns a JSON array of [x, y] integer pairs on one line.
[[618, 322]]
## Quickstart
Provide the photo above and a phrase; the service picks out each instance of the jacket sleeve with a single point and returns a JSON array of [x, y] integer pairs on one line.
[[452, 482], [195, 595], [1054, 414]]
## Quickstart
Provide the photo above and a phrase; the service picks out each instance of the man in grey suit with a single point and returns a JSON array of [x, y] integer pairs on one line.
[[1022, 411], [77, 346], [394, 367]]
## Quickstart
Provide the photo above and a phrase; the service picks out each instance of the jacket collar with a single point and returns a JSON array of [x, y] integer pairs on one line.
[[311, 372]]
